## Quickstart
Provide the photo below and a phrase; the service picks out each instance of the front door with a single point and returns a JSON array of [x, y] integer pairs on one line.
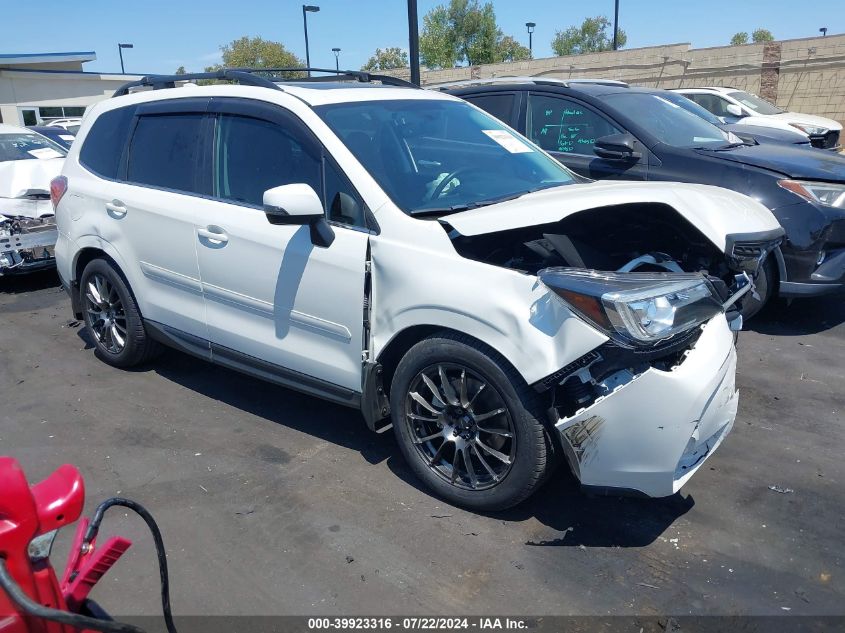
[[273, 299], [568, 130]]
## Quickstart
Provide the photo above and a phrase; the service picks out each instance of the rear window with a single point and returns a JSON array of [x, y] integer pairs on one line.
[[28, 147], [164, 151], [103, 146]]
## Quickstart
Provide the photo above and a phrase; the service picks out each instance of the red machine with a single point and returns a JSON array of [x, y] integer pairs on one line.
[[32, 600]]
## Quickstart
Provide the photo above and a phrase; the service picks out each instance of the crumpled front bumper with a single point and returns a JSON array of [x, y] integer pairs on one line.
[[652, 431]]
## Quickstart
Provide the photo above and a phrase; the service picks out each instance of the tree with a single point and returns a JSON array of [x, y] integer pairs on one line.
[[181, 71], [255, 52], [509, 50], [591, 37], [393, 57], [465, 31], [762, 35], [739, 38]]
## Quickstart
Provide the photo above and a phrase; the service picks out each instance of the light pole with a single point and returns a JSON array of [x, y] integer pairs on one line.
[[823, 31], [336, 52], [306, 9], [530, 26], [120, 48], [414, 41], [616, 26]]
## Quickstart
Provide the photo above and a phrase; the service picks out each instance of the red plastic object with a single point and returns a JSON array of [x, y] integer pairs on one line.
[[27, 512]]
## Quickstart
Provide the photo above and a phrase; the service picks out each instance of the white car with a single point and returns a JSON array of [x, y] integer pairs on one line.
[[734, 105], [28, 162], [71, 125], [402, 252]]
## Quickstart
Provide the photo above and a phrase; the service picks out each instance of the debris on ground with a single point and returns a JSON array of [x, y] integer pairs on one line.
[[349, 559], [645, 584], [780, 489]]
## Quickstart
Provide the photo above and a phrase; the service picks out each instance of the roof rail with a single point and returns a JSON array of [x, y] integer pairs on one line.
[[538, 81], [262, 77]]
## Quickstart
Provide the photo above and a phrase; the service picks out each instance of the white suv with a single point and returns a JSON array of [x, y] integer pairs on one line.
[[739, 106], [400, 251]]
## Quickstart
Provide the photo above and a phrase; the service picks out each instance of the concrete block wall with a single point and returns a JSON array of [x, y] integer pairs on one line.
[[805, 75]]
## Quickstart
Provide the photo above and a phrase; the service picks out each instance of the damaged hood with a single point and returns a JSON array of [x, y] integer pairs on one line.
[[18, 178], [716, 212], [22, 178]]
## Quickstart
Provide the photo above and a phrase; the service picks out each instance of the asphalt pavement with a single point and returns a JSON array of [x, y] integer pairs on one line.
[[272, 502]]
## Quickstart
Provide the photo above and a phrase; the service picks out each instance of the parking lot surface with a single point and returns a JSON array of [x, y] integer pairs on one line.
[[272, 502]]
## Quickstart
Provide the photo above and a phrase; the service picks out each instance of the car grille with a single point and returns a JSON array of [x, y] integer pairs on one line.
[[749, 249]]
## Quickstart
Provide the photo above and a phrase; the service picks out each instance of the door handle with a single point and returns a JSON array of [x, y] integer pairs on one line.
[[213, 234], [115, 209]]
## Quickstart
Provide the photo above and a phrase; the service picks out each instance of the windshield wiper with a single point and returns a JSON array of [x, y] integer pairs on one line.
[[466, 206]]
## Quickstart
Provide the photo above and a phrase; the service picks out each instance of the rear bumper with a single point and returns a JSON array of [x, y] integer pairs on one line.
[[652, 433]]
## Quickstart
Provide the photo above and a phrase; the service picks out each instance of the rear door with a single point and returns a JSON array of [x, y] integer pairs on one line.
[[148, 210], [568, 128], [274, 301]]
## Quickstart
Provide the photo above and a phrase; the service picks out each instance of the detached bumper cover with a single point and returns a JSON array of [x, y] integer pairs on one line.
[[652, 431]]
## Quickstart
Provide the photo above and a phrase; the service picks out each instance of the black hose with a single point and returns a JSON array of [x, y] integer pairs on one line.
[[141, 511], [29, 606]]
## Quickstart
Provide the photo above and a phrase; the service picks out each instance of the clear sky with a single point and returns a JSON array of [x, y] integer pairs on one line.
[[170, 33]]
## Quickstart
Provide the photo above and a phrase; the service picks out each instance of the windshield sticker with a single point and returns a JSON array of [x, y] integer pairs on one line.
[[67, 137], [44, 153], [508, 141]]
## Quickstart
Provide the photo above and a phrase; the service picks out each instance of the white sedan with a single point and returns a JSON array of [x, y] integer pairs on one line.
[[28, 161]]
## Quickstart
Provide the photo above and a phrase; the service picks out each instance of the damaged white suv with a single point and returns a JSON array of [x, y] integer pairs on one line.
[[402, 252]]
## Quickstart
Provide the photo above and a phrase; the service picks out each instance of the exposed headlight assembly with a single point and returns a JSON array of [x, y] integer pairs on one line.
[[635, 308], [827, 193], [811, 130]]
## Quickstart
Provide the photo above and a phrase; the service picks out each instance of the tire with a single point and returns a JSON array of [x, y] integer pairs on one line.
[[509, 451], [766, 284], [115, 318]]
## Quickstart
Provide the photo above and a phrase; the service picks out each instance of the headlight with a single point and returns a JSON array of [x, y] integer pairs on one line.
[[811, 130], [635, 308], [831, 194]]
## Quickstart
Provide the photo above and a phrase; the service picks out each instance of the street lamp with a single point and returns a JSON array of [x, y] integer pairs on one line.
[[414, 42], [823, 31], [306, 9], [530, 26], [616, 26], [336, 52], [120, 48]]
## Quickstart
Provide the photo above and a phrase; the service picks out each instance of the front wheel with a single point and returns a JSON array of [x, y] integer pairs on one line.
[[467, 424], [765, 284]]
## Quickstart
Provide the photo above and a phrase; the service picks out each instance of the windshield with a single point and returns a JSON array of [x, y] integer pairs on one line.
[[28, 146], [433, 156], [667, 121], [753, 102]]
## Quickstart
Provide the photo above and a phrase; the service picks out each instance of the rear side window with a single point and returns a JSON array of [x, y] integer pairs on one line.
[[103, 146], [164, 151], [499, 105]]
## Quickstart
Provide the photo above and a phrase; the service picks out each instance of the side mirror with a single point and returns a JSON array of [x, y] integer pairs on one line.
[[617, 147], [734, 110], [298, 204]]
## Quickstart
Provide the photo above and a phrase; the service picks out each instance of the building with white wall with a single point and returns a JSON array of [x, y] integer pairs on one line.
[[38, 87]]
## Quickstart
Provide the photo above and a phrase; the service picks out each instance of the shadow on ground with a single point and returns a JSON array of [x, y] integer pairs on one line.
[[801, 317], [560, 504]]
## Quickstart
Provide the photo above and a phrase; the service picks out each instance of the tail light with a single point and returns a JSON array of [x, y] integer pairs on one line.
[[58, 186]]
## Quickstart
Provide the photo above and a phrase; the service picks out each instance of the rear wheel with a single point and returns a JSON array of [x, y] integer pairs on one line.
[[467, 424], [112, 317]]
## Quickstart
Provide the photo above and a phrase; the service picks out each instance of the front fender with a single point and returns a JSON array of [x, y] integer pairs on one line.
[[511, 312]]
